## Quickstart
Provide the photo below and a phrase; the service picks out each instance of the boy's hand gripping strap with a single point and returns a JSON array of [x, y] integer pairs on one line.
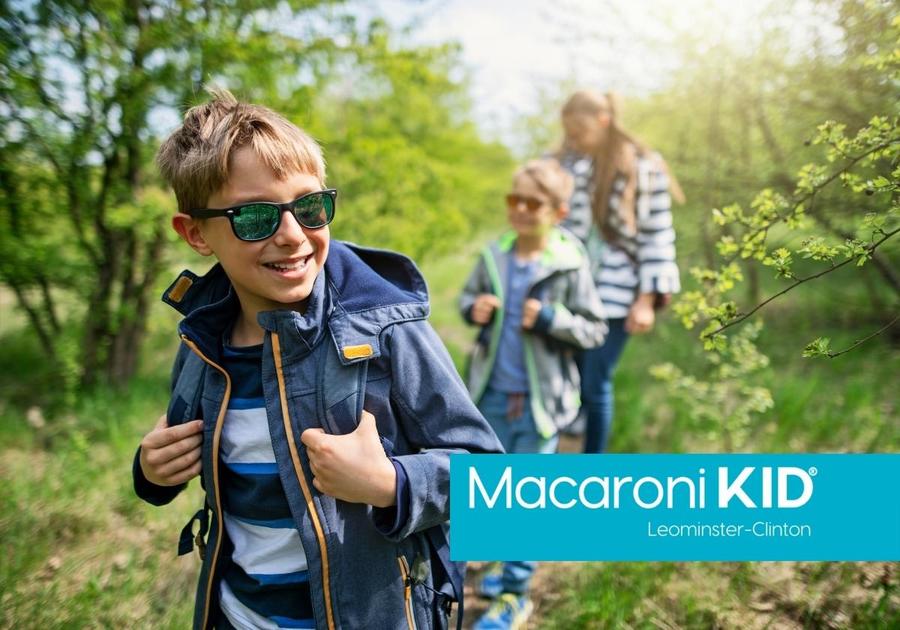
[[333, 379]]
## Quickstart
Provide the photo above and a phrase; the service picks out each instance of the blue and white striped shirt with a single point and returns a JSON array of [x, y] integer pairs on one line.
[[265, 585]]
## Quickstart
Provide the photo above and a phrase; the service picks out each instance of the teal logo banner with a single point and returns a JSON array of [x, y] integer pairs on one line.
[[675, 507]]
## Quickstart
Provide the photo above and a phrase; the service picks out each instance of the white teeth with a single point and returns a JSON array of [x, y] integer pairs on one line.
[[287, 267]]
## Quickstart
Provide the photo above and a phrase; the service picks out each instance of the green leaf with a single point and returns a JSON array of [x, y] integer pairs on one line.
[[819, 347]]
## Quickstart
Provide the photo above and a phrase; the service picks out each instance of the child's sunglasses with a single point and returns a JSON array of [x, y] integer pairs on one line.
[[258, 220], [532, 204]]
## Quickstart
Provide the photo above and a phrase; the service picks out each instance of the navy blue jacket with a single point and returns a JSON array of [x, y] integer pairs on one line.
[[366, 306]]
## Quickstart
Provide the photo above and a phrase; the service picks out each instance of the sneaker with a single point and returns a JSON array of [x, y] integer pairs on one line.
[[508, 612], [491, 584]]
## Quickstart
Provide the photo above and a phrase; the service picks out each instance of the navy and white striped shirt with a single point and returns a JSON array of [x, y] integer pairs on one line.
[[639, 261], [265, 585]]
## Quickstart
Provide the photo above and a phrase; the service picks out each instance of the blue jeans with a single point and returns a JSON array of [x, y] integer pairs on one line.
[[518, 435], [597, 366]]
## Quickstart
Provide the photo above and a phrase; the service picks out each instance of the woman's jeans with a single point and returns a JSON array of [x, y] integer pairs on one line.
[[518, 435], [597, 366]]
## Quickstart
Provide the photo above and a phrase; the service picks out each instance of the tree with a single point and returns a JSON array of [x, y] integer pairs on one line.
[[87, 89], [842, 208], [739, 117], [838, 212], [84, 216], [414, 172]]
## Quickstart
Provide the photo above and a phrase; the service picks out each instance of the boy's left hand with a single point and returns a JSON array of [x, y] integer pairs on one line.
[[352, 467], [530, 311]]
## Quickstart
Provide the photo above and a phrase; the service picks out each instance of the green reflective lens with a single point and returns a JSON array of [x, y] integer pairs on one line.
[[314, 211], [259, 221], [255, 222]]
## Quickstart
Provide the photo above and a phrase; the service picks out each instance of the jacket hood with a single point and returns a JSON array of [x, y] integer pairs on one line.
[[360, 292]]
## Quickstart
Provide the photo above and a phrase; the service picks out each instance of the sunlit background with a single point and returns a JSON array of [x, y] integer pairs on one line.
[[517, 54], [424, 109]]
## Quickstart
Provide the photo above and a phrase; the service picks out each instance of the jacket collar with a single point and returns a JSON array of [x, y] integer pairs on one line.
[[564, 252], [371, 289], [360, 292]]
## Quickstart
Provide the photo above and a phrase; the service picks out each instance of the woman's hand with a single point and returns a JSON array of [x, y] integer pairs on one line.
[[641, 316]]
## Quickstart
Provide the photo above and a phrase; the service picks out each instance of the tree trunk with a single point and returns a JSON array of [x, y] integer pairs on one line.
[[98, 324], [34, 317], [130, 337], [714, 142], [751, 269]]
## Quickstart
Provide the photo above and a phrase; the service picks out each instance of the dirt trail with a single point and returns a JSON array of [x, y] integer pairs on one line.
[[547, 582]]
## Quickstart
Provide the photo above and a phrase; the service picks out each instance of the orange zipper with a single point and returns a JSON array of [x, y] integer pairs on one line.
[[407, 592], [217, 433], [298, 470]]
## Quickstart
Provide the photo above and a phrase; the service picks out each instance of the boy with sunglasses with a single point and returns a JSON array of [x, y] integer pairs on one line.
[[533, 295], [318, 514]]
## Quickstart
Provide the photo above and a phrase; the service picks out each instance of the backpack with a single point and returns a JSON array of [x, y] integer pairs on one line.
[[337, 383]]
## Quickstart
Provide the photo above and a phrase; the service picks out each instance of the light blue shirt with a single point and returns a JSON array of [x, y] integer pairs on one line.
[[509, 374]]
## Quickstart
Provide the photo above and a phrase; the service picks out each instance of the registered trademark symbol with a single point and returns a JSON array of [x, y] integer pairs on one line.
[[813, 471]]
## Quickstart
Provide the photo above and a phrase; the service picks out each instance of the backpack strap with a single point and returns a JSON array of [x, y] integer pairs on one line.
[[341, 394], [187, 387], [456, 571], [187, 392], [187, 540]]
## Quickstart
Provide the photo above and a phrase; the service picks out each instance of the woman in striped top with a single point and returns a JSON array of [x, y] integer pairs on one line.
[[621, 210]]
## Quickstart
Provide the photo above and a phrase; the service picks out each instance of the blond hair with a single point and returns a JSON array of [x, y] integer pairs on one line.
[[195, 159], [617, 156], [551, 178]]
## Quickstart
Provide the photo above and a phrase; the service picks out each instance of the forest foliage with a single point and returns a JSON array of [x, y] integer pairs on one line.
[[786, 143], [786, 140], [796, 173], [786, 146], [88, 90]]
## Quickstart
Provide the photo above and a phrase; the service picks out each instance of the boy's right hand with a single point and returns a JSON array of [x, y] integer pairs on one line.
[[170, 456], [483, 308]]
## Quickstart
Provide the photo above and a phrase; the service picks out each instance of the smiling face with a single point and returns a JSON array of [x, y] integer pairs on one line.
[[275, 273], [530, 222]]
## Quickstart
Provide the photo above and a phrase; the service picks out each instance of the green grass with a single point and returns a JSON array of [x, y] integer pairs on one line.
[[79, 550], [721, 595]]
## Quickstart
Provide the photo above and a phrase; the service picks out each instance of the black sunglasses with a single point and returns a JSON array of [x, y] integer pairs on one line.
[[258, 220]]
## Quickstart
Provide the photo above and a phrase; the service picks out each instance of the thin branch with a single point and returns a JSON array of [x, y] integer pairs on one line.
[[81, 56], [817, 189], [49, 304], [882, 265], [832, 355], [34, 316], [740, 318], [37, 137]]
